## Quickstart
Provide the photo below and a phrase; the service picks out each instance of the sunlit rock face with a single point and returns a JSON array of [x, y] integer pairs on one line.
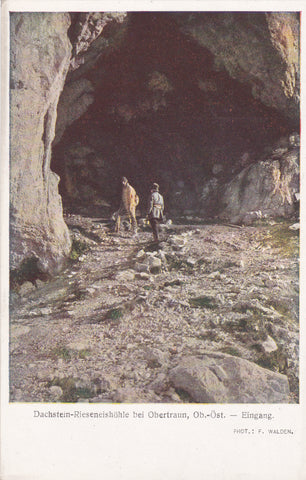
[[265, 189], [40, 58], [185, 99]]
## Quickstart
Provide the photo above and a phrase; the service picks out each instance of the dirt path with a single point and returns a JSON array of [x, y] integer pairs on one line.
[[122, 315]]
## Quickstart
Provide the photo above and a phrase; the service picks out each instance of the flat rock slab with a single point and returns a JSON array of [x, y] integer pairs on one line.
[[222, 378]]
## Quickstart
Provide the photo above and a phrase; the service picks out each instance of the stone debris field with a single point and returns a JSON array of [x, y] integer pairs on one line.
[[209, 315]]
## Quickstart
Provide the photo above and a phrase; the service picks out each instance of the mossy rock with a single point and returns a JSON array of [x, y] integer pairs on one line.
[[78, 247], [276, 361], [71, 393]]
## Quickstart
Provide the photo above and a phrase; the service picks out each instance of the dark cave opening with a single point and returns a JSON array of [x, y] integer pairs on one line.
[[164, 112]]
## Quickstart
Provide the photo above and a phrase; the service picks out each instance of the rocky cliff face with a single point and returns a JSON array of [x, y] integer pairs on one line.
[[41, 55], [261, 50], [195, 101], [40, 58]]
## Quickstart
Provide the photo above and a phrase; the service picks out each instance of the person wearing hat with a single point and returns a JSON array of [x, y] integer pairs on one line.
[[155, 210]]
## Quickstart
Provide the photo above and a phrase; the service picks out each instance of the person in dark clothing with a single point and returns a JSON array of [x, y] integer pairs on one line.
[[155, 210]]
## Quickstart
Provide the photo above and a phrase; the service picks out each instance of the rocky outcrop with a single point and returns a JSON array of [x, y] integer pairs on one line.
[[88, 44], [40, 58], [74, 101], [261, 50], [86, 28], [221, 378], [266, 189]]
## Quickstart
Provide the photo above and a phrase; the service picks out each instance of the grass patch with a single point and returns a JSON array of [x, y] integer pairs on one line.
[[71, 393], [275, 361], [280, 306], [202, 302], [148, 287], [254, 327], [83, 354], [210, 335], [178, 264], [76, 295], [245, 308], [77, 249], [227, 265], [283, 239], [184, 396], [62, 352], [68, 354], [113, 315], [174, 283], [231, 351]]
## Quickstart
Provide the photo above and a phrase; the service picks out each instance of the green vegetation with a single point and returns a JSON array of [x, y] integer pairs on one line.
[[283, 239], [254, 327], [84, 353], [115, 314], [202, 302], [210, 335], [77, 249], [179, 264], [71, 393], [173, 283], [281, 306], [184, 396], [78, 294], [276, 361], [245, 307], [62, 352], [226, 265], [68, 354], [231, 351]]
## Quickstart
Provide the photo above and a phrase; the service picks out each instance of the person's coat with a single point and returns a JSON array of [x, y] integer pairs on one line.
[[156, 206]]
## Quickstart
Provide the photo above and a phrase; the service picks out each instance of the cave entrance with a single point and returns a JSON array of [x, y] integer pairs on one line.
[[158, 107]]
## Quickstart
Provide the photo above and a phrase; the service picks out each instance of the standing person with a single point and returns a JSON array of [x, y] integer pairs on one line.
[[155, 209], [129, 202]]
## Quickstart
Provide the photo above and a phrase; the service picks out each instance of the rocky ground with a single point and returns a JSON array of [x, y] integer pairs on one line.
[[210, 315]]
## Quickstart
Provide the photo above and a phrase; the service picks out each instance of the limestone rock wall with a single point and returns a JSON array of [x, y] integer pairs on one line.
[[88, 44], [40, 58], [261, 50], [266, 189]]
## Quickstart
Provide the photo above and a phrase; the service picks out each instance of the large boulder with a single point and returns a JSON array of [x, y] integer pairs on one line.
[[40, 58], [222, 378], [264, 189]]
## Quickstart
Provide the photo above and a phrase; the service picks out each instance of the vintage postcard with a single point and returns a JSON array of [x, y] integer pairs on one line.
[[152, 263]]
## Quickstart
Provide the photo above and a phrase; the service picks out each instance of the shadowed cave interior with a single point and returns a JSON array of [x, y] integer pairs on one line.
[[162, 110]]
